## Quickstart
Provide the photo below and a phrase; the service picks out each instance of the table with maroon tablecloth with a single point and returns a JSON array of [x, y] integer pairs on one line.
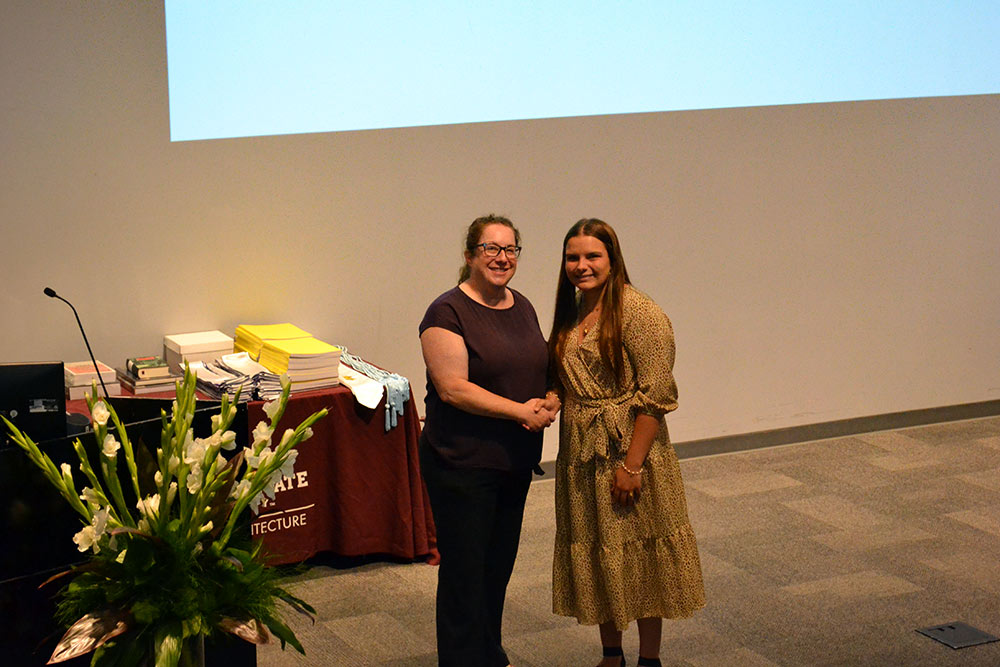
[[357, 488]]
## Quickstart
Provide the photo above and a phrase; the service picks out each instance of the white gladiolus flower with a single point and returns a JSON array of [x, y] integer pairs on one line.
[[172, 464], [194, 453], [271, 408], [158, 478], [261, 434], [89, 536], [111, 446], [100, 521], [307, 433], [216, 422], [214, 440], [228, 440], [89, 496], [255, 461], [194, 480], [149, 506], [100, 413], [265, 458], [285, 437], [171, 493], [86, 539], [269, 487], [288, 467], [255, 503], [240, 490], [207, 527], [66, 469]]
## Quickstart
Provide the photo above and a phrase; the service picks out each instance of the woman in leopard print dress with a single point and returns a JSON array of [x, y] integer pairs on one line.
[[624, 547]]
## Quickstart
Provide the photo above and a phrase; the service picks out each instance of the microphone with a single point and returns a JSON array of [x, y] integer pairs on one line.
[[52, 293]]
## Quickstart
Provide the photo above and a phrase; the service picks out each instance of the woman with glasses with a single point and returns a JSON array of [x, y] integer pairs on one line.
[[624, 547], [486, 375]]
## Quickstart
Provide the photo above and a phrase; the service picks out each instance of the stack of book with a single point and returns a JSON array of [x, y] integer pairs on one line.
[[285, 348], [80, 374], [147, 375], [198, 346]]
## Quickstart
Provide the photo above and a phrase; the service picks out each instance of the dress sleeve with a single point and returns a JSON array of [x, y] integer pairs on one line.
[[649, 345]]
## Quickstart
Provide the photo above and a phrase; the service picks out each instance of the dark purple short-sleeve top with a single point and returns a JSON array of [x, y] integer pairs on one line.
[[507, 356]]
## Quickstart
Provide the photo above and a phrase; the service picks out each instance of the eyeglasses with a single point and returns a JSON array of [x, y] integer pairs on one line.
[[493, 250]]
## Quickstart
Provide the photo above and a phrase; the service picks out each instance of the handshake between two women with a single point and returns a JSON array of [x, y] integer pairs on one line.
[[540, 412]]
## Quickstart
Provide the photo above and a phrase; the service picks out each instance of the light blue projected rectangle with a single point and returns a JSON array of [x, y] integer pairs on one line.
[[243, 68]]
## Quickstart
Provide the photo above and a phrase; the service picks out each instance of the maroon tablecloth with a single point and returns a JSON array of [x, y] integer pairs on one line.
[[357, 489]]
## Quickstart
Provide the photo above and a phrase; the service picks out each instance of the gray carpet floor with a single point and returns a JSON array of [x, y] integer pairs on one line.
[[829, 552]]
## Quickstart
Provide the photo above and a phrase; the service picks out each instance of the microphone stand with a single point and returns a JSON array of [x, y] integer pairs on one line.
[[52, 293]]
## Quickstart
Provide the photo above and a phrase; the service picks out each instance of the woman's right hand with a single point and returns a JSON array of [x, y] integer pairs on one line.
[[535, 416]]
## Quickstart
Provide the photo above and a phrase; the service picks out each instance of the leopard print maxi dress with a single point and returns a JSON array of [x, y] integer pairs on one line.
[[611, 563]]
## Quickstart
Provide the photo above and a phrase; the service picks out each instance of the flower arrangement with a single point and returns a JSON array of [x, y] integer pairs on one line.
[[168, 571]]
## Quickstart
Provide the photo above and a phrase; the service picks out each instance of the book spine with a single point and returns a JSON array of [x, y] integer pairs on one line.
[[147, 367]]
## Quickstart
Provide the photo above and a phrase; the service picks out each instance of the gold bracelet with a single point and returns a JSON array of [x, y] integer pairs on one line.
[[634, 473]]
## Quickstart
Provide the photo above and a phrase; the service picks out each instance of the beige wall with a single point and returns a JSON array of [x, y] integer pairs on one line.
[[819, 262]]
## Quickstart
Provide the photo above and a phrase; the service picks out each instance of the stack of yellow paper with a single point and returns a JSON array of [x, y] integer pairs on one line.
[[285, 348], [250, 337]]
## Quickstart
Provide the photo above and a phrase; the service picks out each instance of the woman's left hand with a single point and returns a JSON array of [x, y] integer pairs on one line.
[[625, 488]]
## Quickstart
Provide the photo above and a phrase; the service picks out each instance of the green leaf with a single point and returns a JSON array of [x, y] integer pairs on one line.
[[129, 652], [145, 612], [168, 645], [140, 556], [297, 604], [284, 633]]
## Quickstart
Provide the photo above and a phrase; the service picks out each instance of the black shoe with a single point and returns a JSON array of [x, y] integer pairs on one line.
[[648, 662], [612, 651]]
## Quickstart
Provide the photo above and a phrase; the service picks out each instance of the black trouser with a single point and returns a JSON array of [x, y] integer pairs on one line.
[[477, 513]]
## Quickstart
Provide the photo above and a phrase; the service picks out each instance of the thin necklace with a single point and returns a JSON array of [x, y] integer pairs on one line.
[[586, 327]]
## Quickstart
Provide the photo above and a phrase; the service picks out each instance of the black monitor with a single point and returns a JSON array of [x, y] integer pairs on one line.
[[33, 397]]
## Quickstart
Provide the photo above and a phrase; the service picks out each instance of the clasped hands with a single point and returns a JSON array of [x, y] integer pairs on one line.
[[540, 412]]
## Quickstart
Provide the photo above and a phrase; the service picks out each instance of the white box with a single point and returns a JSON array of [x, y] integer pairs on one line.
[[196, 346]]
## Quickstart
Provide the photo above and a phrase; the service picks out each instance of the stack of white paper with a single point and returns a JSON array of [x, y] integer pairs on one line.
[[267, 385], [218, 381]]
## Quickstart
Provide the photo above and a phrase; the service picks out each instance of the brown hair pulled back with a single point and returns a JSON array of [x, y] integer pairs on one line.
[[475, 232]]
